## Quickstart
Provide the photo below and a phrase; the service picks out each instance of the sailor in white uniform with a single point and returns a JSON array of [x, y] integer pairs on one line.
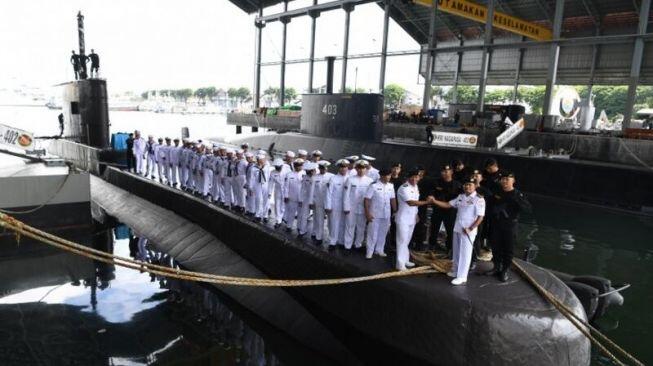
[[471, 210], [333, 203], [321, 184], [238, 184], [288, 159], [228, 168], [139, 151], [352, 160], [207, 172], [305, 197], [160, 155], [372, 172], [276, 190], [302, 154], [355, 221], [316, 156], [258, 185], [151, 158], [406, 217], [175, 157], [183, 165], [380, 202], [292, 184], [250, 196]]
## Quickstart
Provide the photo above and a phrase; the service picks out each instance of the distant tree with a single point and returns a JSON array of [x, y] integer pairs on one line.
[[272, 93], [466, 94], [200, 93], [290, 94], [498, 96], [145, 94], [437, 91], [211, 92], [533, 96], [184, 94], [232, 93], [349, 90], [243, 94], [394, 95]]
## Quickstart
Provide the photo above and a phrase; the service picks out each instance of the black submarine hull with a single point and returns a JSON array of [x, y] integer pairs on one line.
[[608, 185], [422, 320]]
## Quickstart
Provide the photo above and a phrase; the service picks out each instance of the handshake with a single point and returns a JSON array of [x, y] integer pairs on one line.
[[431, 200]]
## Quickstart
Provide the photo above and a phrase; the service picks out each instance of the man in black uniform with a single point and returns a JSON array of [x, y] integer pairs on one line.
[[130, 152], [445, 189], [429, 134], [491, 175], [76, 62], [507, 204], [460, 173], [95, 63]]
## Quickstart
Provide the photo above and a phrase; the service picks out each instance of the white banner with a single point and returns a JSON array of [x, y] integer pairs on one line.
[[14, 137], [509, 134], [454, 139]]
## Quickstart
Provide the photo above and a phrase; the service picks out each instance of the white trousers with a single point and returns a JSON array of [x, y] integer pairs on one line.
[[278, 207], [172, 174], [377, 230], [216, 188], [404, 233], [151, 165], [318, 222], [336, 227], [354, 229], [228, 192], [238, 186], [207, 180], [198, 180], [290, 212], [250, 200], [163, 170], [302, 218], [462, 254], [183, 175], [261, 196], [139, 163]]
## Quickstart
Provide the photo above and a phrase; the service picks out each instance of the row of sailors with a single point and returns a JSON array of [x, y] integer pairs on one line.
[[358, 199]]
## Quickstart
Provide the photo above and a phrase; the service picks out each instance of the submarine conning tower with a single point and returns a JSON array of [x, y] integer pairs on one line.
[[345, 115], [86, 112]]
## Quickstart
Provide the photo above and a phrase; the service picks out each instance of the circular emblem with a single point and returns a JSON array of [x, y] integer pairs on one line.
[[472, 140], [24, 140]]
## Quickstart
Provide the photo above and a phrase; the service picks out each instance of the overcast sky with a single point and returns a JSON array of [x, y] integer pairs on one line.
[[154, 44]]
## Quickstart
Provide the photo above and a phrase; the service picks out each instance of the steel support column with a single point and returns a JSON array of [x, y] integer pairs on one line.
[[636, 64], [282, 86], [456, 77], [554, 55], [384, 45], [345, 46], [313, 14], [520, 61], [485, 59], [430, 58], [257, 72], [595, 58]]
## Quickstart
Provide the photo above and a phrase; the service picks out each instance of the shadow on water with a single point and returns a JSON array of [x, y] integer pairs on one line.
[[58, 308], [583, 240]]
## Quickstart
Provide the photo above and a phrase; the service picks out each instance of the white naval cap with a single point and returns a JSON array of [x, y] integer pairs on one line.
[[367, 157], [260, 156], [342, 162], [323, 163], [249, 155], [362, 163], [290, 154], [239, 151], [310, 166], [222, 147], [352, 158], [229, 150], [261, 152], [277, 162], [298, 161], [316, 153], [302, 152]]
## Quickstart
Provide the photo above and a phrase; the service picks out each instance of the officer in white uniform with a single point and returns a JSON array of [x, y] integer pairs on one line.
[[250, 196], [471, 210], [352, 160], [406, 217], [183, 165], [139, 151], [192, 165], [160, 159], [316, 156], [175, 157], [372, 172], [292, 184], [305, 197], [228, 168], [353, 206], [333, 203], [380, 202], [258, 185], [207, 172], [321, 184], [276, 190], [151, 158], [238, 184]]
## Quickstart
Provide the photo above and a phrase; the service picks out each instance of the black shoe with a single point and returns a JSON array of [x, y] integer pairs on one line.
[[301, 236], [318, 242], [494, 271], [276, 226], [503, 276], [288, 229]]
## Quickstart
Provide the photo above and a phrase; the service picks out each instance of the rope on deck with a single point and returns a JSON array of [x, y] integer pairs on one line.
[[435, 265]]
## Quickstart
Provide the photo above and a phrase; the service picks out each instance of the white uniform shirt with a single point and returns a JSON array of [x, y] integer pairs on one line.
[[292, 184], [380, 195], [162, 154], [139, 146], [469, 208], [335, 192], [175, 155], [321, 182], [276, 182], [307, 189], [355, 191], [242, 167], [406, 214]]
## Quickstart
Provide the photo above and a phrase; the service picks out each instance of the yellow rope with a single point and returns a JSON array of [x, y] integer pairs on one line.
[[17, 226]]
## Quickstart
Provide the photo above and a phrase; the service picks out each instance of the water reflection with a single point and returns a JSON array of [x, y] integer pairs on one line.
[[97, 313]]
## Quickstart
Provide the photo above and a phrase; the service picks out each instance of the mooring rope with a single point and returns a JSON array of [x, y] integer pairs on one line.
[[436, 265]]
